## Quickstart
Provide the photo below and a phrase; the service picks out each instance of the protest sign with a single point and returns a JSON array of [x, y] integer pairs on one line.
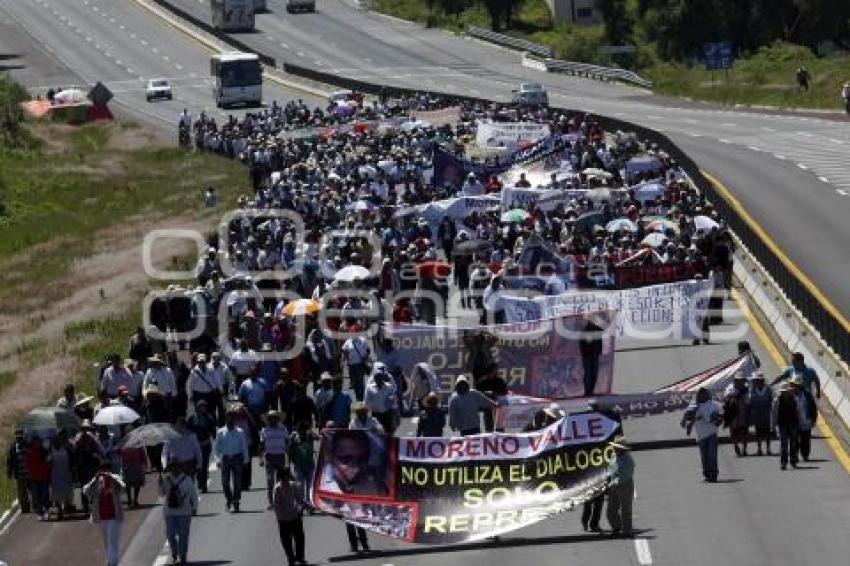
[[542, 357], [443, 490], [508, 134], [516, 411], [457, 209], [668, 311]]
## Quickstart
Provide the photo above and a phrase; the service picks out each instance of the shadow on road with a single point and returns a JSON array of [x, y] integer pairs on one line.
[[503, 542]]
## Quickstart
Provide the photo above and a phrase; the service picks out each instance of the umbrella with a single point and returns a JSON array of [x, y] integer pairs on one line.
[[649, 191], [662, 225], [595, 172], [116, 415], [470, 247], [44, 419], [588, 219], [705, 223], [301, 307], [70, 96], [152, 434], [621, 224], [433, 269], [515, 215], [653, 240], [362, 206], [352, 273]]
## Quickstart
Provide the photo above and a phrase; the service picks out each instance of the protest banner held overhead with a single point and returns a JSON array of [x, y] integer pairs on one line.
[[516, 411], [669, 311], [443, 490], [508, 134], [544, 358]]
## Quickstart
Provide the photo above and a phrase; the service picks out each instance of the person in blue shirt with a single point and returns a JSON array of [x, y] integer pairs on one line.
[[338, 408], [806, 374]]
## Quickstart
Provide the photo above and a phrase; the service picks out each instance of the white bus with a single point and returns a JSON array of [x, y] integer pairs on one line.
[[233, 15], [238, 79]]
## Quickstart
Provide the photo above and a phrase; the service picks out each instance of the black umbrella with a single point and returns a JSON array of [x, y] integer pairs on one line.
[[588, 219], [150, 435], [470, 247], [45, 419]]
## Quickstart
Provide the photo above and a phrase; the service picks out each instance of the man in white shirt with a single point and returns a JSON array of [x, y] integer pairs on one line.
[[114, 377], [243, 362], [203, 385], [274, 439], [224, 376], [381, 399], [355, 352], [161, 375]]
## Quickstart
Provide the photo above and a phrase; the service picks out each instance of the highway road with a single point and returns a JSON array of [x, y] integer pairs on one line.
[[121, 45], [789, 171], [774, 164], [757, 515]]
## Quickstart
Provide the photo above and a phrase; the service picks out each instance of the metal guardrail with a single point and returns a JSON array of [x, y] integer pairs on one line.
[[596, 72], [510, 41]]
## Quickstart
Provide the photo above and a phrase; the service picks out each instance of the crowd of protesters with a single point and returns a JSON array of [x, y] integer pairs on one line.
[[348, 178]]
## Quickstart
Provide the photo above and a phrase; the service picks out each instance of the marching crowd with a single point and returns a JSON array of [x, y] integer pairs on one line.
[[230, 396]]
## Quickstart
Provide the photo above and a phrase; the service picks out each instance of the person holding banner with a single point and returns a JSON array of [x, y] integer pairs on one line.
[[432, 419], [706, 415], [464, 405], [622, 493]]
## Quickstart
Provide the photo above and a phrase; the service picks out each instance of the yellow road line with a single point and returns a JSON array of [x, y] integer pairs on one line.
[[790, 265], [831, 439]]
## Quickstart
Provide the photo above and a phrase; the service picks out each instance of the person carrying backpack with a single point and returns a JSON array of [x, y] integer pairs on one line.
[[180, 504]]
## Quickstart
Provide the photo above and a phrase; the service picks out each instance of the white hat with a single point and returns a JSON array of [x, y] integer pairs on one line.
[[554, 410], [461, 379]]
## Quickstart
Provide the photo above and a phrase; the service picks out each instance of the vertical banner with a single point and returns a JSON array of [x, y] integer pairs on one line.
[[553, 358], [444, 490]]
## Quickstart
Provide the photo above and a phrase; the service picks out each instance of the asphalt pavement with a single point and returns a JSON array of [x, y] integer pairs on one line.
[[756, 514], [789, 170], [122, 45]]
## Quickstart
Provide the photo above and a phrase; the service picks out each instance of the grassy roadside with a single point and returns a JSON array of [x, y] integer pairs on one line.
[[74, 205], [766, 77]]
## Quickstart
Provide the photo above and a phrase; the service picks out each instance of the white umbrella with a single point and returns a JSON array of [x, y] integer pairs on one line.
[[70, 96], [654, 239], [352, 273], [621, 224], [705, 223], [116, 415], [367, 171], [595, 172], [649, 191], [363, 206]]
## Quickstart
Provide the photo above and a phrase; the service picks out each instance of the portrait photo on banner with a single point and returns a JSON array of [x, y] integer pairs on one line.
[[355, 463]]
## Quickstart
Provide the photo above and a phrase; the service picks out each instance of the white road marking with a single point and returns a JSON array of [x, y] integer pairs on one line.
[[766, 129], [642, 549], [801, 166], [754, 148], [178, 66], [731, 125], [842, 192], [824, 179], [722, 140], [839, 142], [777, 156], [805, 134], [300, 54], [285, 46], [10, 522]]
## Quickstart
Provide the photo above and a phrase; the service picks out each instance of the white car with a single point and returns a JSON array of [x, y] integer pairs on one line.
[[158, 88], [531, 94]]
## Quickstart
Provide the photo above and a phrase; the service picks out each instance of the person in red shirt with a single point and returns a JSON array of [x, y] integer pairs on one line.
[[38, 471], [104, 493]]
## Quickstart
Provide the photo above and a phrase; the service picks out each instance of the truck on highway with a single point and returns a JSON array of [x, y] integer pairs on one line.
[[238, 79], [233, 15]]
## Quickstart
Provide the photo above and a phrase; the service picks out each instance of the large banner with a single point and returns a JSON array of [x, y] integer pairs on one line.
[[545, 199], [670, 311], [444, 490], [458, 209], [453, 170], [508, 134], [516, 411], [543, 358]]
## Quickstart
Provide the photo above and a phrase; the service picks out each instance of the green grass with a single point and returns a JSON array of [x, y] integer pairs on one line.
[[766, 77], [66, 200]]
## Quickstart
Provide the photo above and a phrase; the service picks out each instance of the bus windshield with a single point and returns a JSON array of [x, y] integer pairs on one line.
[[241, 73]]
